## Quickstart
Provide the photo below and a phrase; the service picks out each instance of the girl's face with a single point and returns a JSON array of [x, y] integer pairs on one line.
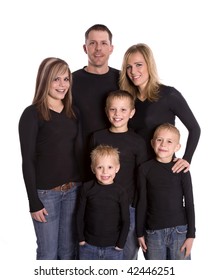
[[59, 86], [165, 144], [105, 169], [119, 111], [137, 70]]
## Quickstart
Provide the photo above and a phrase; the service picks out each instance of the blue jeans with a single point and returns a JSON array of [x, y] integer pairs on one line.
[[90, 252], [56, 239], [131, 247], [165, 244]]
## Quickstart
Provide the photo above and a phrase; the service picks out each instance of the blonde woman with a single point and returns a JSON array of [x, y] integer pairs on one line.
[[50, 139], [156, 103]]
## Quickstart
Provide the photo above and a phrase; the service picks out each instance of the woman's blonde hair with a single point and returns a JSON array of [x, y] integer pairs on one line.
[[152, 87], [49, 68]]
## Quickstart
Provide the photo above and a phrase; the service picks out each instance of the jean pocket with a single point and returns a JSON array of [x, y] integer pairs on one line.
[[42, 192], [181, 229], [150, 232]]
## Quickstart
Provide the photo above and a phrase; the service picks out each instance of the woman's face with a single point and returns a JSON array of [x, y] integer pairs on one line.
[[137, 70]]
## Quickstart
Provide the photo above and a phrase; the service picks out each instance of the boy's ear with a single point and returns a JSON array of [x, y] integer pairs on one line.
[[132, 113], [177, 148], [152, 142], [117, 168], [93, 171]]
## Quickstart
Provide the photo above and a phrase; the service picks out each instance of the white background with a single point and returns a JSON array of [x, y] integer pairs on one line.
[[33, 30]]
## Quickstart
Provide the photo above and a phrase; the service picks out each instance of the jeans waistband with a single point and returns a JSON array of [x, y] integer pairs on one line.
[[65, 187]]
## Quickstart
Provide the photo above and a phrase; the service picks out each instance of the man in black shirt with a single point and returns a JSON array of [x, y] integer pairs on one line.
[[92, 83]]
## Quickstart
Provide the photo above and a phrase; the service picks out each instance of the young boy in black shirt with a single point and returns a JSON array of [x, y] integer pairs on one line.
[[103, 213], [119, 109], [165, 209]]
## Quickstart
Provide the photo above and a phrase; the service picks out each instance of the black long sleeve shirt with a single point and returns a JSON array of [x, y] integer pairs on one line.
[[133, 152], [170, 105], [89, 92], [165, 199], [51, 152], [103, 215]]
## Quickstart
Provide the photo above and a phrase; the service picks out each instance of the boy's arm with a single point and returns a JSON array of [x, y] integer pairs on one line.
[[189, 203], [141, 206], [125, 221], [187, 246]]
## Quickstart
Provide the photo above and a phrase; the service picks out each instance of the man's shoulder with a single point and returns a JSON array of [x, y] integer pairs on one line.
[[78, 72], [114, 70], [81, 71]]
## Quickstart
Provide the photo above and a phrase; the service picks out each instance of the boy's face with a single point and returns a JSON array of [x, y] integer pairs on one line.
[[119, 111], [165, 144], [105, 169]]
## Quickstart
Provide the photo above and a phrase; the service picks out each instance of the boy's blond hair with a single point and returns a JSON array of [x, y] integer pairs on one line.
[[120, 94], [169, 127], [103, 151]]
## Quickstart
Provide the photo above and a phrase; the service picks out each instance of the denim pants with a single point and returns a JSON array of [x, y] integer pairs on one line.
[[165, 244], [90, 252], [131, 247], [56, 239]]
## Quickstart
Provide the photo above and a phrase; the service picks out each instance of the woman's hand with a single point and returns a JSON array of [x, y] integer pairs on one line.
[[142, 243], [39, 216], [180, 164]]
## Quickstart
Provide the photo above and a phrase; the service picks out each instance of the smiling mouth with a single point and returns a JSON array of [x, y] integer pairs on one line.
[[162, 150], [98, 55], [105, 177], [60, 90], [136, 77]]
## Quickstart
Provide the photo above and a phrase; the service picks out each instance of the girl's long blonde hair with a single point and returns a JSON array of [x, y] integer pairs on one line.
[[49, 68]]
